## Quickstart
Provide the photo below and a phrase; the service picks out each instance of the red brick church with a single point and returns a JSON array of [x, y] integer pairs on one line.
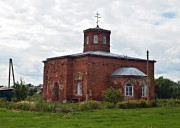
[[86, 75]]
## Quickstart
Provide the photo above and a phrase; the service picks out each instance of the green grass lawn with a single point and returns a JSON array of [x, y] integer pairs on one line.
[[161, 117]]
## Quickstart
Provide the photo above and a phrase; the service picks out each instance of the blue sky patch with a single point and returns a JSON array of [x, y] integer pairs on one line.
[[169, 15]]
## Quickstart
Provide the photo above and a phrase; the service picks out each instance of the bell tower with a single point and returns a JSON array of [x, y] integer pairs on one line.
[[97, 39]]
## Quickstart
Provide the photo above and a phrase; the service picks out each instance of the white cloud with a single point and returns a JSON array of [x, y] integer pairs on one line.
[[33, 30]]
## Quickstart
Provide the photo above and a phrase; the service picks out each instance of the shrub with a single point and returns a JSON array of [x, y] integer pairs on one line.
[[108, 105], [152, 104], [177, 101], [121, 105], [136, 104], [89, 105], [133, 104], [34, 98], [143, 103], [3, 100], [46, 106], [25, 105], [112, 95], [168, 102]]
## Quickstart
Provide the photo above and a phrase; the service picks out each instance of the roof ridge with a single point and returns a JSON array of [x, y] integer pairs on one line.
[[97, 53]]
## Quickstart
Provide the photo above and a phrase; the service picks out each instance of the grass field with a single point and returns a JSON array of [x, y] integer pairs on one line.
[[161, 117]]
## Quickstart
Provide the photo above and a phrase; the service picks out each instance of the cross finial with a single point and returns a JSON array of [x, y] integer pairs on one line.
[[97, 16]]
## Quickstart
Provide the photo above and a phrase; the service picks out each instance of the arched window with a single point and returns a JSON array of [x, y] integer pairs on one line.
[[79, 89], [95, 39], [104, 39], [87, 39], [144, 89], [129, 90]]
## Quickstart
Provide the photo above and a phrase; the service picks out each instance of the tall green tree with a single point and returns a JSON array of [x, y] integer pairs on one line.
[[166, 88], [20, 90]]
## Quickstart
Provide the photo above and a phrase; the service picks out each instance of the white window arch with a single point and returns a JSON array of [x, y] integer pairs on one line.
[[129, 91], [95, 39], [144, 89]]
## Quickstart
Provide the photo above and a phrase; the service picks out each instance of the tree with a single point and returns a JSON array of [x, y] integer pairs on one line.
[[32, 91], [40, 85], [112, 95], [165, 88], [20, 90], [29, 85], [178, 82]]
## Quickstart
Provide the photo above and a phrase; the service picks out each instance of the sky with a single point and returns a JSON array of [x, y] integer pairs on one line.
[[33, 30]]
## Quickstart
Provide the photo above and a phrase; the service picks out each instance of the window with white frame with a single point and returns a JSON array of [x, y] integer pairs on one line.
[[104, 39], [87, 39], [95, 39], [79, 89], [144, 89], [129, 90]]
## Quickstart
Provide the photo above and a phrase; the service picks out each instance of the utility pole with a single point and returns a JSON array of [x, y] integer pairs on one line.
[[147, 91], [11, 67]]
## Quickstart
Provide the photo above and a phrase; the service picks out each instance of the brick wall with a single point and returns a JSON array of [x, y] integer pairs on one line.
[[100, 70], [96, 78]]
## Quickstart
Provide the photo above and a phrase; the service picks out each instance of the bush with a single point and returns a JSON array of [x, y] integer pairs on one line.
[[112, 95], [133, 104], [152, 104], [3, 100], [168, 102], [108, 105], [89, 105], [121, 105], [136, 104], [143, 103], [34, 98], [45, 107], [25, 105]]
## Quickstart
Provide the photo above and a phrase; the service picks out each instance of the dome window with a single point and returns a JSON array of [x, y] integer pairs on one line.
[[95, 39], [87, 39], [104, 39]]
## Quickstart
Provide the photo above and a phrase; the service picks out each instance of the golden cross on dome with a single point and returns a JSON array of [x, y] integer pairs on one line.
[[97, 16]]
